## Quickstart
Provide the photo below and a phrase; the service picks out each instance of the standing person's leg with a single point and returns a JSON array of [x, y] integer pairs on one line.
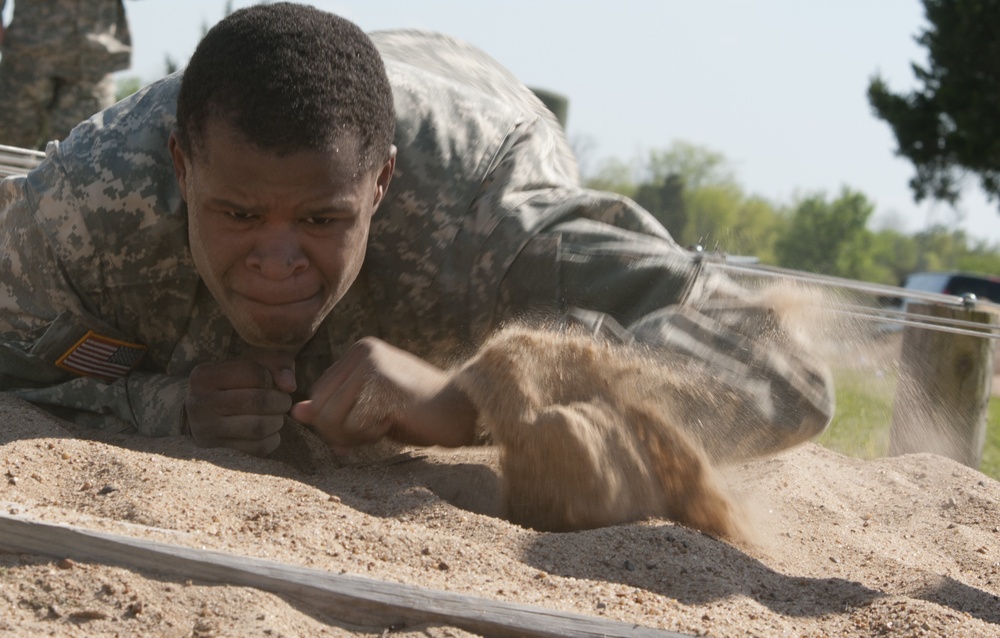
[[25, 94]]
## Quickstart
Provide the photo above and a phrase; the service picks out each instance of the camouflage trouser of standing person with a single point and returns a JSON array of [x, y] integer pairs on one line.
[[36, 107]]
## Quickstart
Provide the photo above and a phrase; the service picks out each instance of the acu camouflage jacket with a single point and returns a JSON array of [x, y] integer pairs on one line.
[[485, 222]]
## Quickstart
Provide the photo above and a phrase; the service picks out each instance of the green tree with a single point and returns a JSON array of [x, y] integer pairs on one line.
[[696, 165], [938, 248], [665, 200], [171, 65], [126, 86], [613, 175], [950, 125], [942, 248], [692, 191], [894, 255], [758, 226], [828, 237], [981, 257], [672, 183]]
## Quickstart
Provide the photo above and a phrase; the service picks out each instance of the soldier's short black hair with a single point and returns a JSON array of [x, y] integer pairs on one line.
[[290, 77]]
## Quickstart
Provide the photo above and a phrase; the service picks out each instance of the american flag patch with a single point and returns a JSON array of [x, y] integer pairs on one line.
[[101, 357]]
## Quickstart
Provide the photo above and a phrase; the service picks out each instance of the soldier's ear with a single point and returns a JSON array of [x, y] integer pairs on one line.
[[180, 163], [384, 177]]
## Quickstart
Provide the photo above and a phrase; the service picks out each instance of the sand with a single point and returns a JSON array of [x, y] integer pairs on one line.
[[904, 546]]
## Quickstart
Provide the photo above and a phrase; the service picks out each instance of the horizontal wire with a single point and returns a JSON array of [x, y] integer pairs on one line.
[[17, 150], [15, 160], [18, 161], [882, 315], [883, 290], [987, 331], [892, 315]]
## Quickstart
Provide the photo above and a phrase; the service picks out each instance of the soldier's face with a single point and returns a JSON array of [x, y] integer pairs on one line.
[[278, 239]]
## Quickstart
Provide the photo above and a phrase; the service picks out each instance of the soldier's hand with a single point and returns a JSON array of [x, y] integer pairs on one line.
[[241, 403], [378, 390]]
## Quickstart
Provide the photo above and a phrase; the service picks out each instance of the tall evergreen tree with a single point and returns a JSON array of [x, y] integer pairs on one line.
[[950, 125]]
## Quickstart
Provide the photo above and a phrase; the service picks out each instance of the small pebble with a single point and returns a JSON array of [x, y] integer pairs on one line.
[[88, 614]]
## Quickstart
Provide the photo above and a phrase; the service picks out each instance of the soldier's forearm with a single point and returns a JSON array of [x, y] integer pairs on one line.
[[141, 403]]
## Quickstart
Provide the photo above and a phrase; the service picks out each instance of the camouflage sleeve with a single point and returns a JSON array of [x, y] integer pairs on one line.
[[559, 248], [43, 318], [763, 389]]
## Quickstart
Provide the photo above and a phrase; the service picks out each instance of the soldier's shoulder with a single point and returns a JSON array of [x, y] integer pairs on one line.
[[123, 148], [112, 178]]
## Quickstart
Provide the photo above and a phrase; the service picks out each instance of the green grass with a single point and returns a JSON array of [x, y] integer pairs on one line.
[[861, 425]]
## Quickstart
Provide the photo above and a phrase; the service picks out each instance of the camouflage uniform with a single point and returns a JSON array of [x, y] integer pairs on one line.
[[485, 222], [56, 68]]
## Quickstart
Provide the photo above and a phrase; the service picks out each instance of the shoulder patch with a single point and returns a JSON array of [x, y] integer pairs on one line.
[[101, 357]]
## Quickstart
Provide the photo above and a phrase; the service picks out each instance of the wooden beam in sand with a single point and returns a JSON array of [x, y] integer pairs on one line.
[[945, 381], [348, 599]]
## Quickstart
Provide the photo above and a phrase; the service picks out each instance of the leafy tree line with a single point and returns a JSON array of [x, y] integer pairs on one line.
[[948, 127], [693, 192]]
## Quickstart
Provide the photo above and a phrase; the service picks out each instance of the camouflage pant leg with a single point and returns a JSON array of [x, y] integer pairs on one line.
[[24, 98], [36, 106], [76, 99]]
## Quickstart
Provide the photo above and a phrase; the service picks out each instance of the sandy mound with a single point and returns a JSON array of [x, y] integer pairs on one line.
[[908, 546]]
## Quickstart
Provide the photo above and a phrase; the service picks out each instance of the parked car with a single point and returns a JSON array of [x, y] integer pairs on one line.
[[984, 287], [956, 284]]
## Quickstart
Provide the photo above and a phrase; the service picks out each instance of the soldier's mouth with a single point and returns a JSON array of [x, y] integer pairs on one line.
[[280, 302]]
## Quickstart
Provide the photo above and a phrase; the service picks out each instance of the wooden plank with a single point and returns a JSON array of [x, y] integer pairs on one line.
[[945, 380], [351, 600]]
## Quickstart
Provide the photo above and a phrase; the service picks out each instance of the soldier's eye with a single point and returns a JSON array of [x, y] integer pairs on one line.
[[239, 216], [320, 221]]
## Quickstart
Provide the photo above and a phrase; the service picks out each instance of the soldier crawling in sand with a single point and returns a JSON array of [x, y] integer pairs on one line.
[[385, 236]]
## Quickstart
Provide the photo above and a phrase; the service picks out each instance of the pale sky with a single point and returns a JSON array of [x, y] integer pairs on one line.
[[776, 86]]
